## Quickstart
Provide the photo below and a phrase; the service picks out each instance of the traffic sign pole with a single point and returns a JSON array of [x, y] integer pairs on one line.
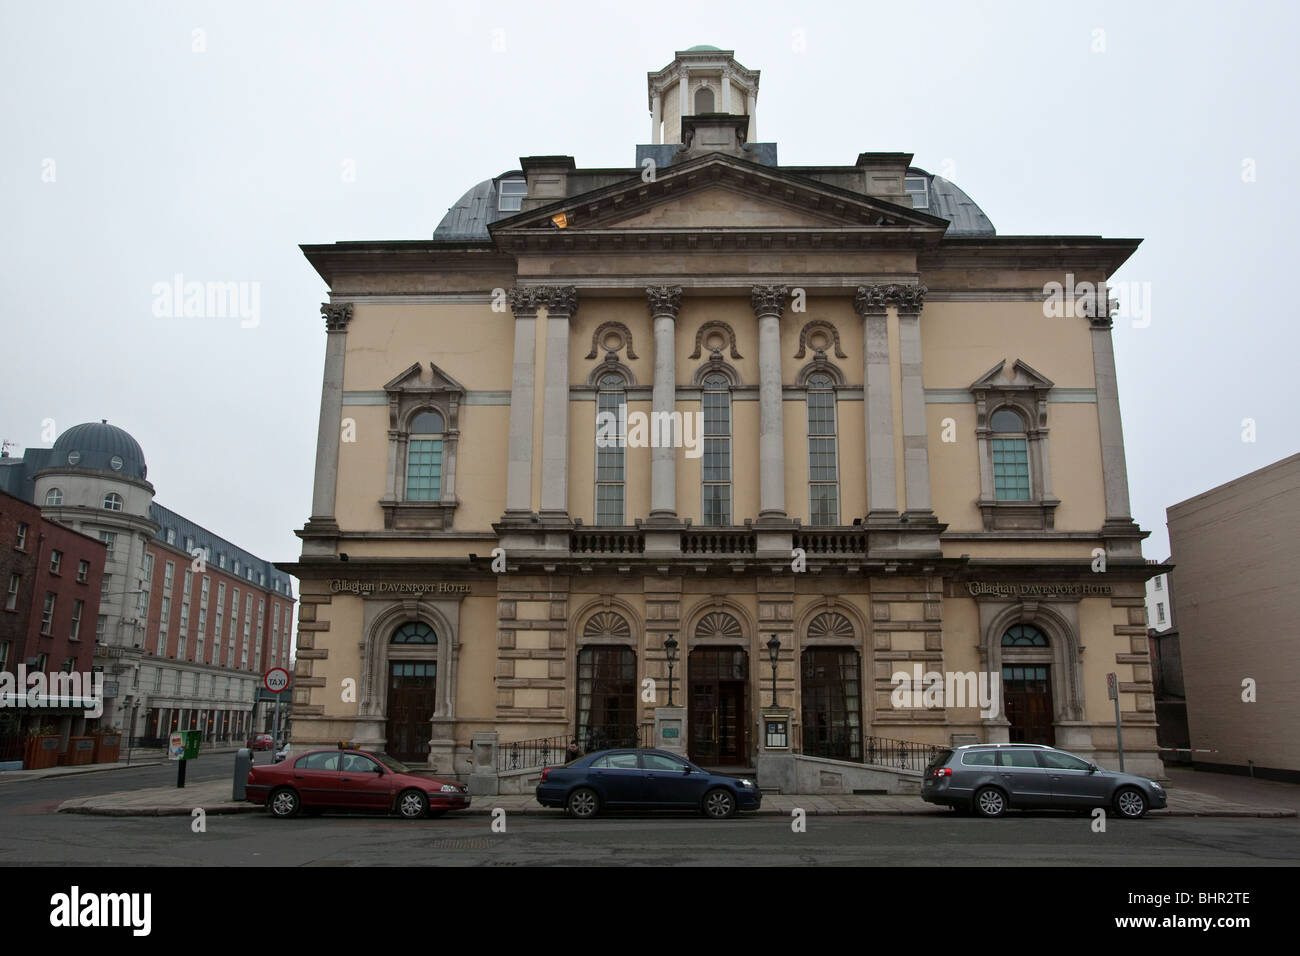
[[276, 680]]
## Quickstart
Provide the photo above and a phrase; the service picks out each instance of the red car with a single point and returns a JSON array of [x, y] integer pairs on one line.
[[357, 780], [260, 742]]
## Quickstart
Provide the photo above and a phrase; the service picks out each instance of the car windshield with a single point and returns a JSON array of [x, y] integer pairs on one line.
[[393, 764]]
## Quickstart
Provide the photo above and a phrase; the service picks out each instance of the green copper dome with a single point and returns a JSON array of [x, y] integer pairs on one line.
[[702, 47]]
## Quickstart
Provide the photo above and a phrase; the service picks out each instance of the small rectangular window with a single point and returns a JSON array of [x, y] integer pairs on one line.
[[918, 189], [83, 571], [47, 614], [11, 599], [1160, 614], [512, 193], [21, 543], [56, 561]]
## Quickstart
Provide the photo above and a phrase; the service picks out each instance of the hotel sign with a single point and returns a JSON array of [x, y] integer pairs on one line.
[[366, 588], [977, 588]]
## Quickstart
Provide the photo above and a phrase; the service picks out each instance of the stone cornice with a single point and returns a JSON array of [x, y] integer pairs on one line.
[[337, 317], [664, 299]]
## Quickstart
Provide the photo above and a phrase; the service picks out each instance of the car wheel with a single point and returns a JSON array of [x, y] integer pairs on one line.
[[583, 803], [284, 803], [719, 804], [990, 802], [412, 804], [1130, 804]]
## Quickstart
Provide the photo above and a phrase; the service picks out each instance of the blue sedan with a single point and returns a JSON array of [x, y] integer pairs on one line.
[[643, 780]]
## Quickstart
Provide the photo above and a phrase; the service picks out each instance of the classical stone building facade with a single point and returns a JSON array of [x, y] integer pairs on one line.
[[905, 460]]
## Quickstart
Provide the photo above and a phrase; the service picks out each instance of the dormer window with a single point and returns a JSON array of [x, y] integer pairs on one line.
[[918, 188], [511, 193]]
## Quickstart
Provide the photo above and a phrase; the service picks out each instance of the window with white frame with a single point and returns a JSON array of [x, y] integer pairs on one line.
[[169, 575], [11, 599], [918, 190], [511, 194], [113, 501], [83, 572], [53, 497], [21, 543], [56, 561], [110, 542], [74, 633], [101, 623], [716, 401], [47, 614], [611, 399], [823, 452]]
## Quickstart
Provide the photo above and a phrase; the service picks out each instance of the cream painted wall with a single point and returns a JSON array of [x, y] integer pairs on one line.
[[470, 342], [960, 341]]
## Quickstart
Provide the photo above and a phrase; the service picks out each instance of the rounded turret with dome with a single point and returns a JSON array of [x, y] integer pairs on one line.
[[100, 446], [95, 466]]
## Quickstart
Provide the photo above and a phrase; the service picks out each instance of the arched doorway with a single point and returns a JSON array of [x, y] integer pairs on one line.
[[718, 702], [1027, 685], [412, 691], [831, 694], [606, 697]]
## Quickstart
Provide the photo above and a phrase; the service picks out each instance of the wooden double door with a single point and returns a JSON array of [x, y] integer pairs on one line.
[[1027, 693], [718, 702], [411, 701]]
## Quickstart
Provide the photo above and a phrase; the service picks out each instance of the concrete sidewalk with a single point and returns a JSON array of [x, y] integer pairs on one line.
[[140, 757], [214, 797]]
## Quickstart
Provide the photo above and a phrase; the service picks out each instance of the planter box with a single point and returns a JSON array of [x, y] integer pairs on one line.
[[108, 748], [43, 752], [81, 750]]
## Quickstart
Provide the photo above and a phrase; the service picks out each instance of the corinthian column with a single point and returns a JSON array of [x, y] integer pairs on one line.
[[324, 488], [561, 305], [768, 302], [871, 302], [519, 462], [665, 301], [916, 446]]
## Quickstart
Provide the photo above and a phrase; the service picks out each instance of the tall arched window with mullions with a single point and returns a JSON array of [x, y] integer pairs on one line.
[[611, 397], [1010, 456], [424, 458], [716, 397], [823, 456]]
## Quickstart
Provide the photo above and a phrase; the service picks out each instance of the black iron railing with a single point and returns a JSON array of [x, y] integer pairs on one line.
[[557, 751], [898, 754]]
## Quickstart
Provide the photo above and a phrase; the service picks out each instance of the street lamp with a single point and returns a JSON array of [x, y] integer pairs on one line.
[[773, 654], [670, 648]]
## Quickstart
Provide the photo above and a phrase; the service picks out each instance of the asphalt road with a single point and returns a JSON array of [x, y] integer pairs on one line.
[[32, 833]]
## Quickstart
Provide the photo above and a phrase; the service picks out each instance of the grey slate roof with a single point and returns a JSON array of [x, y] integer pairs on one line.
[[98, 443], [474, 211], [184, 528], [470, 217]]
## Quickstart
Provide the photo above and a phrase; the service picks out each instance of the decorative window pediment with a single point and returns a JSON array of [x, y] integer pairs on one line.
[[423, 435], [1011, 429]]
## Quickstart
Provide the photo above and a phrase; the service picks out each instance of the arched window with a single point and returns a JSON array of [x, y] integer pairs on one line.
[[606, 697], [703, 100], [823, 459], [717, 450], [831, 692], [1024, 635], [112, 502], [1010, 455], [53, 498], [414, 632], [424, 458], [611, 422]]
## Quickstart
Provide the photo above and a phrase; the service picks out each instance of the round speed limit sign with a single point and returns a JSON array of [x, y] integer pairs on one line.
[[277, 679]]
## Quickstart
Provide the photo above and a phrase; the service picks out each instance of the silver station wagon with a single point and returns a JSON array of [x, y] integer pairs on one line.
[[989, 779]]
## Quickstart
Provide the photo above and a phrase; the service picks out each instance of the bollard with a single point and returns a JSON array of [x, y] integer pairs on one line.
[[243, 762]]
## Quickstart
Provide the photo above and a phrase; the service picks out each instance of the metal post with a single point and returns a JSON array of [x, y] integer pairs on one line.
[[1119, 735], [275, 734]]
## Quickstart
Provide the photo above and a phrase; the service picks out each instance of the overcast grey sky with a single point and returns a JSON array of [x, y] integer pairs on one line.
[[134, 149]]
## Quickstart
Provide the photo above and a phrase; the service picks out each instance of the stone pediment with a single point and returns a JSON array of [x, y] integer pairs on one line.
[[1019, 376], [703, 196]]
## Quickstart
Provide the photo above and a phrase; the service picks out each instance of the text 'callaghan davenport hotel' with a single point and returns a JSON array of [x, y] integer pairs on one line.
[[909, 465]]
